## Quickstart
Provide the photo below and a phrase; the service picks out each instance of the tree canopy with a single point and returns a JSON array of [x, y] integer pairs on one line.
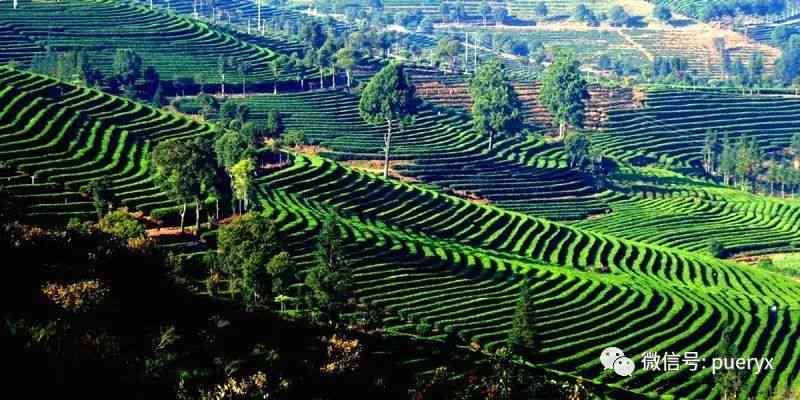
[[246, 246], [564, 91], [388, 97], [496, 106]]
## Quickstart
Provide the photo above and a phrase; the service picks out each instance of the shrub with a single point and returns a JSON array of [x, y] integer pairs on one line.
[[766, 263], [424, 329], [122, 224], [77, 297], [716, 248]]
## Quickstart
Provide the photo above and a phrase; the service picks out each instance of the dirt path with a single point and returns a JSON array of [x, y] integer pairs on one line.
[[636, 45]]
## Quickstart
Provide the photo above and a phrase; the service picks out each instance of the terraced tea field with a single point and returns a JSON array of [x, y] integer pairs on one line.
[[451, 242], [55, 138], [451, 270], [445, 152], [167, 42], [427, 256], [672, 125]]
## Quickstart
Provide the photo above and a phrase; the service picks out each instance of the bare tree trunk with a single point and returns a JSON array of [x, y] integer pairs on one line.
[[348, 77], [183, 214], [387, 142], [333, 77], [321, 77], [197, 215], [491, 140]]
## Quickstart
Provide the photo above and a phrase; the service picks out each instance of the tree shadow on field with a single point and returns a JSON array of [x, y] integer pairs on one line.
[[682, 23], [636, 21]]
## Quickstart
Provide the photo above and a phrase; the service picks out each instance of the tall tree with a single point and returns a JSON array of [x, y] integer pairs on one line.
[[787, 67], [577, 145], [523, 338], [207, 104], [242, 174], [662, 13], [246, 246], [388, 96], [711, 152], [564, 91], [794, 147], [230, 148], [244, 68], [184, 172], [447, 50], [727, 160], [756, 66], [102, 195], [485, 10], [541, 9], [330, 279], [127, 67], [346, 60], [496, 108], [325, 59]]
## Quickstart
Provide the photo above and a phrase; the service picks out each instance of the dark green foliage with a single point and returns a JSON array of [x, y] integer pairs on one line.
[[282, 270], [207, 103], [330, 279], [274, 124], [662, 13], [496, 106], [231, 147], [389, 96], [564, 91], [618, 16], [127, 66], [246, 248], [523, 337], [185, 171], [787, 68], [101, 193], [158, 97], [577, 146], [11, 208], [122, 225], [716, 248], [293, 137]]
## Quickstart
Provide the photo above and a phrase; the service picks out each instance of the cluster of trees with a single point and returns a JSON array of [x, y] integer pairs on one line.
[[738, 163], [70, 66], [327, 51], [447, 52], [742, 163], [670, 68], [787, 67], [252, 255], [620, 66], [662, 13], [617, 16], [584, 14], [128, 75], [582, 155], [453, 13], [719, 9]]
